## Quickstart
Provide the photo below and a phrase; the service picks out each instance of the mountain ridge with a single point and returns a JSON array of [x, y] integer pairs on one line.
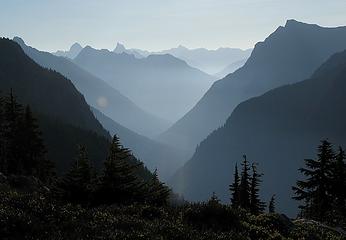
[[278, 130], [287, 55], [98, 93]]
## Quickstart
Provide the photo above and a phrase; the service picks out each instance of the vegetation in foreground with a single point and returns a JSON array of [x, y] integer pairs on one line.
[[37, 216], [121, 202]]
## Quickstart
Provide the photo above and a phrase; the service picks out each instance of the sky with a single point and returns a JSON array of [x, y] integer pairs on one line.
[[158, 24]]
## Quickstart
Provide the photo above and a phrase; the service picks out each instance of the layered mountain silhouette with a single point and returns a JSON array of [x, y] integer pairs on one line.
[[278, 130], [160, 84], [155, 155], [99, 94], [71, 53], [288, 55], [64, 115], [209, 61]]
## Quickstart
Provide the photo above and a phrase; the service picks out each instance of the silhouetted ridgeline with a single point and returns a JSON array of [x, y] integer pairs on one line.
[[160, 84], [278, 130], [98, 93], [288, 55]]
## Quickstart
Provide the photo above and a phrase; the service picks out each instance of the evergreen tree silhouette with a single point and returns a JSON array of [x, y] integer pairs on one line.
[[234, 188], [32, 144], [271, 205], [119, 184], [2, 136], [339, 182], [76, 185], [13, 135], [256, 205], [315, 190], [158, 193], [214, 200], [244, 188]]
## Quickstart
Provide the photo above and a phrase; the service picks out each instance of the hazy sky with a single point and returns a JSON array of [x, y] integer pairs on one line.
[[158, 24]]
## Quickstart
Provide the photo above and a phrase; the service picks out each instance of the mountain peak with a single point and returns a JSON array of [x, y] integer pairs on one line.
[[120, 48], [292, 23], [76, 47]]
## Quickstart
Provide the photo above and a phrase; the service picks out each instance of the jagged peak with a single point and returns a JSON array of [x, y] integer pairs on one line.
[[120, 48], [76, 46]]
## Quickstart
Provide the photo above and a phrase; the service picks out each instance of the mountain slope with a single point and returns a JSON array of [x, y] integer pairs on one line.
[[155, 155], [99, 94], [278, 130], [160, 84], [45, 90], [65, 118], [288, 55]]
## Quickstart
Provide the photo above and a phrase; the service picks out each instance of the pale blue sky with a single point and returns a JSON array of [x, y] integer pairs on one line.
[[158, 24]]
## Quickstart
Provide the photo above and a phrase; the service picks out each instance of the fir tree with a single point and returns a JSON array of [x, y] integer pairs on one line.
[[256, 205], [271, 205], [244, 187], [33, 148], [119, 184], [214, 200], [158, 193], [315, 190], [234, 188], [76, 185], [339, 182], [2, 136], [12, 132]]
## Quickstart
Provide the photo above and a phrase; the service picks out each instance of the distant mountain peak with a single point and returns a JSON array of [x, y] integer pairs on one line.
[[291, 23], [76, 47], [120, 48]]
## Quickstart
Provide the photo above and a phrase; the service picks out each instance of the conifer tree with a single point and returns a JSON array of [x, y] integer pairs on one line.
[[76, 185], [214, 200], [2, 135], [256, 205], [119, 184], [271, 205], [13, 112], [339, 182], [32, 144], [234, 188], [244, 187], [315, 190], [158, 193]]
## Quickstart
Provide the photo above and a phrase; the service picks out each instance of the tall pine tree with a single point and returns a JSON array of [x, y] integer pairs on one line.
[[13, 135], [271, 205], [158, 193], [32, 144], [119, 184], [339, 183], [256, 205], [244, 187], [234, 189], [76, 185], [315, 190], [2, 136]]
